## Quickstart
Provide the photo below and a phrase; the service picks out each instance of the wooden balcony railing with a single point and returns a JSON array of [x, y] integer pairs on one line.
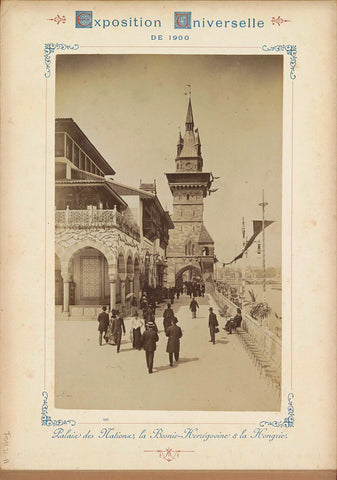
[[93, 218]]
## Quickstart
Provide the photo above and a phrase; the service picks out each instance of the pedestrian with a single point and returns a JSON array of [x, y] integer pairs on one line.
[[171, 294], [237, 319], [118, 326], [149, 340], [136, 333], [133, 305], [103, 323], [147, 314], [174, 334], [193, 307], [168, 316], [213, 324]]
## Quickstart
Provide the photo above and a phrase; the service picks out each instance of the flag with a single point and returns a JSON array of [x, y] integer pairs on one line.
[[257, 229]]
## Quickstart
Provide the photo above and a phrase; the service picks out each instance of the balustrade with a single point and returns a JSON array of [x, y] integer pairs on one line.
[[93, 218]]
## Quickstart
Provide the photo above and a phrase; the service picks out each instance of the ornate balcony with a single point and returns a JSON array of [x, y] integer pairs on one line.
[[93, 218]]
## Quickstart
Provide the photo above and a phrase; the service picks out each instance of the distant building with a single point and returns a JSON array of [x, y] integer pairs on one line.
[[110, 239], [190, 252]]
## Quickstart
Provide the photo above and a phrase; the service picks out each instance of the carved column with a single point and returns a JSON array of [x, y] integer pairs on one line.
[[112, 293], [66, 279]]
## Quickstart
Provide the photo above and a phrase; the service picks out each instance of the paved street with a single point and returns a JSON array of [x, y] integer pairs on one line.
[[207, 377]]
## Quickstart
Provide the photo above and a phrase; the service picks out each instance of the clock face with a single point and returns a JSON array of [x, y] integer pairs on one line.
[[188, 165]]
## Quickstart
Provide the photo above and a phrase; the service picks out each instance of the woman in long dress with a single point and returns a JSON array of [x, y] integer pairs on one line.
[[136, 333]]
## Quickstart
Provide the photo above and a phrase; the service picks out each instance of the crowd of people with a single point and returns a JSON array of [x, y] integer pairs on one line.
[[112, 328]]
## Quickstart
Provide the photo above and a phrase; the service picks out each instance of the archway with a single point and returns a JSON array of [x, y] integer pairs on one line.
[[89, 280], [187, 274]]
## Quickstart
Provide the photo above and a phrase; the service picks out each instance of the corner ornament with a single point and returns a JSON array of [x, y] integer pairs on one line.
[[290, 50], [288, 421], [50, 48], [46, 421]]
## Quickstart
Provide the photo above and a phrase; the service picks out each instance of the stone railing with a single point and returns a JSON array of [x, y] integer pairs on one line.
[[267, 341], [93, 218]]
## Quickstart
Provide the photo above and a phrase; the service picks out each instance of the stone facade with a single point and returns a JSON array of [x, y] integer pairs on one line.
[[189, 242]]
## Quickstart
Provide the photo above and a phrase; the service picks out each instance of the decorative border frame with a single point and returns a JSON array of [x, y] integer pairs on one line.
[[46, 420], [291, 50], [50, 48], [169, 454]]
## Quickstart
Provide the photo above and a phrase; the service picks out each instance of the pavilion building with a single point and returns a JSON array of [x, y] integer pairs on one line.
[[110, 239]]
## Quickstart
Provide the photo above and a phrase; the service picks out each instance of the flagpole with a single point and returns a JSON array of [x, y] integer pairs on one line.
[[243, 273], [263, 205]]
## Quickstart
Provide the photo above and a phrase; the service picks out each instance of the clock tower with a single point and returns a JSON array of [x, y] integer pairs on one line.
[[190, 248]]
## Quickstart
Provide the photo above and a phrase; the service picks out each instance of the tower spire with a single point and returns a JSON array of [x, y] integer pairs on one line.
[[189, 117]]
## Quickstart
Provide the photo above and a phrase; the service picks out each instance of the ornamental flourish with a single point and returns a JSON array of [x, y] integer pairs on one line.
[[50, 48], [46, 420], [288, 421], [290, 50]]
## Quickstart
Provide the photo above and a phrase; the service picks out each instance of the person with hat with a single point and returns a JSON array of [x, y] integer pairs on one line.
[[174, 335], [103, 323], [237, 320], [117, 327], [168, 317], [193, 307], [136, 334], [149, 340], [213, 324]]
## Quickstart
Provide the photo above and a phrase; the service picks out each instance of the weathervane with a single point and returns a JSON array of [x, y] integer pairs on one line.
[[188, 90]]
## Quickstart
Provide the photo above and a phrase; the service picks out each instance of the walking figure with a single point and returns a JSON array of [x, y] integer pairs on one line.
[[136, 334], [118, 326], [103, 323], [193, 307], [168, 316], [213, 324], [149, 340], [174, 334]]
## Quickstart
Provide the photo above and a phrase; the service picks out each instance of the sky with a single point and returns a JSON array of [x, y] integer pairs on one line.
[[131, 107]]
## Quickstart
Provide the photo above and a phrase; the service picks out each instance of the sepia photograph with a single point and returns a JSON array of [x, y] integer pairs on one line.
[[168, 231]]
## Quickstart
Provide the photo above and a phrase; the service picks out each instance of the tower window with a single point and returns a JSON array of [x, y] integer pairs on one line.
[[188, 196]]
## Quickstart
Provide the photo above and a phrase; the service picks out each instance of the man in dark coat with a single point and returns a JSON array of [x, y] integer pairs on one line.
[[212, 323], [174, 334], [193, 307], [149, 340], [117, 327], [168, 316], [237, 320], [103, 323]]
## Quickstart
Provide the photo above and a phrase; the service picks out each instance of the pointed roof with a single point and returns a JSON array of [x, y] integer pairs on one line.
[[189, 117], [204, 236], [180, 139]]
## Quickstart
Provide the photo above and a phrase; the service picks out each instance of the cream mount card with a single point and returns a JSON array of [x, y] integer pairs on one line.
[[104, 197]]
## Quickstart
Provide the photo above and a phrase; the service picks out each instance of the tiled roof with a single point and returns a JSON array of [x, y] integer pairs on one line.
[[204, 236]]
